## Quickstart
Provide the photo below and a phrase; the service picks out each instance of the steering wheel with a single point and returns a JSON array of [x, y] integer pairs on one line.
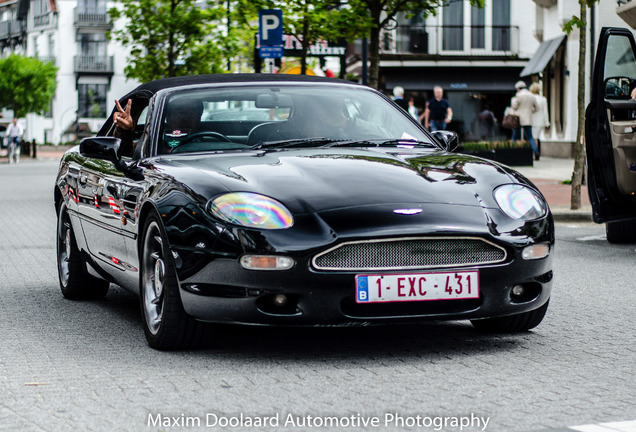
[[194, 136]]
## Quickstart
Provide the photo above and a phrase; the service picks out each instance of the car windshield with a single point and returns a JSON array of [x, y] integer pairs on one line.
[[218, 119]]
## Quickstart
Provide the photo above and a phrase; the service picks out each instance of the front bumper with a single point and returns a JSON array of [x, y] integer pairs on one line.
[[225, 292], [215, 288]]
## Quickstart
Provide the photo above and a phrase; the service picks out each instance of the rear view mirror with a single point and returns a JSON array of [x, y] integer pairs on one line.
[[274, 100]]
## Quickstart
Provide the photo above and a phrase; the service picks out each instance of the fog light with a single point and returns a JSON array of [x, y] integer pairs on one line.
[[518, 290], [536, 251], [266, 262], [280, 300]]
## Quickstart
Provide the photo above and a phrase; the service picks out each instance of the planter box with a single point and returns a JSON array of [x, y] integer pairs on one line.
[[507, 156]]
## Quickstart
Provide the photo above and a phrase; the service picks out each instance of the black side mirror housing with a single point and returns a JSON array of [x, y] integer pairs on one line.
[[448, 139], [106, 148]]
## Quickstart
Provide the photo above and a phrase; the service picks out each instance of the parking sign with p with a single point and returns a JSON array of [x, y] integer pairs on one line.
[[270, 27]]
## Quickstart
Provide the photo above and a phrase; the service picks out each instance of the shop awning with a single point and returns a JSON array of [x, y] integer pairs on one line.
[[542, 57], [474, 79]]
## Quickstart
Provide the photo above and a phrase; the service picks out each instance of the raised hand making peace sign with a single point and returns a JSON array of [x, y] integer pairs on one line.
[[122, 117]]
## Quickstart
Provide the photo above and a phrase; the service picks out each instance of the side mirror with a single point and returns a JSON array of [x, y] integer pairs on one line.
[[449, 140], [107, 148], [101, 148]]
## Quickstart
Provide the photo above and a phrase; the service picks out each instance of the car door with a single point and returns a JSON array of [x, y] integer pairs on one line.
[[109, 205], [610, 128]]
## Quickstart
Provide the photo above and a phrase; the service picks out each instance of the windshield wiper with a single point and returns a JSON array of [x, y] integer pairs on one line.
[[382, 142], [298, 142]]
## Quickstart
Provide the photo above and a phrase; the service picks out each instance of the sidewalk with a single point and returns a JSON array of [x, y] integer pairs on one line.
[[548, 174], [44, 153]]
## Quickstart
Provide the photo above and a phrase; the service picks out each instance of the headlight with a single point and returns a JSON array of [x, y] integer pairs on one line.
[[251, 210], [520, 202]]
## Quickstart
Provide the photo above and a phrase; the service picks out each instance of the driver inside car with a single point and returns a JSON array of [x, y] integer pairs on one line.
[[183, 118]]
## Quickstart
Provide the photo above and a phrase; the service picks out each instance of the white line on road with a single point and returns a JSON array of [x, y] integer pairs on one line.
[[624, 426]]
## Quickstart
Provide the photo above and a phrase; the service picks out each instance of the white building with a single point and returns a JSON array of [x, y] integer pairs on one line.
[[71, 34], [477, 55], [556, 64]]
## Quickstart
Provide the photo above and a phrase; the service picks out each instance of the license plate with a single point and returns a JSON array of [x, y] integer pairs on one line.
[[379, 288]]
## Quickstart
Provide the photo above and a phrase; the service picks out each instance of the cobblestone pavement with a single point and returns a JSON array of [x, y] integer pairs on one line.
[[85, 366]]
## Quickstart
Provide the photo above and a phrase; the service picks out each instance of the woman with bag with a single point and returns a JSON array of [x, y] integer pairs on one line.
[[525, 104]]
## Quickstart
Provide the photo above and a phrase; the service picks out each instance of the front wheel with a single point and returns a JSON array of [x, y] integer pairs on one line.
[[75, 282], [166, 324], [513, 323]]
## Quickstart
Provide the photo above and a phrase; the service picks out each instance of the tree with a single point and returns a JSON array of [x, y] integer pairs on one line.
[[579, 22], [171, 38], [27, 85], [311, 21], [382, 14]]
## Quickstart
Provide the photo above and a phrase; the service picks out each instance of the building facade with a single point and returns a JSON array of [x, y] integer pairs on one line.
[[474, 54], [72, 35], [477, 55]]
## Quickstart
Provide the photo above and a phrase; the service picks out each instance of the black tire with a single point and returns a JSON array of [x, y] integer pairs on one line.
[[75, 282], [513, 323], [166, 324], [621, 231]]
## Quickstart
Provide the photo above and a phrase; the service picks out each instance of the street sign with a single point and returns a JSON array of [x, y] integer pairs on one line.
[[270, 51], [270, 27]]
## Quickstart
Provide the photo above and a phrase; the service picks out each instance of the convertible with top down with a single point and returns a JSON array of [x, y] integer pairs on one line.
[[293, 200]]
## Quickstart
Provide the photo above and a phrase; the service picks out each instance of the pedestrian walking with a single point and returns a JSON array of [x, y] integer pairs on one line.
[[525, 104], [438, 112], [398, 97], [540, 119], [413, 109], [14, 133], [487, 121]]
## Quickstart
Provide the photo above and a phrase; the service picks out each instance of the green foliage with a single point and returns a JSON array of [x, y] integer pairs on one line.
[[477, 146], [577, 22], [310, 21], [27, 85], [171, 38], [381, 15]]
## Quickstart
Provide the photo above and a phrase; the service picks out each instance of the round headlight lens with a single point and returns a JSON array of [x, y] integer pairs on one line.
[[251, 210], [520, 202]]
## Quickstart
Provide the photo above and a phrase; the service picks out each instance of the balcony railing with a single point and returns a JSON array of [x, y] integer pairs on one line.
[[10, 29], [47, 59], [42, 20], [91, 17], [452, 40], [94, 64]]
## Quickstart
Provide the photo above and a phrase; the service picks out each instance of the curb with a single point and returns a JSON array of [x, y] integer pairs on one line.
[[564, 214]]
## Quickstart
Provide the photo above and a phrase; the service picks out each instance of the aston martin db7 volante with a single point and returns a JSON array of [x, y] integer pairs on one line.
[[292, 200]]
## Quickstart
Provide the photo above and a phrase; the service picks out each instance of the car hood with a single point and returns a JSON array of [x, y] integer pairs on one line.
[[320, 179]]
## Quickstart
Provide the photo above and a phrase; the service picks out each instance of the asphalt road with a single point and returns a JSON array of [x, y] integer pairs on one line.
[[85, 366]]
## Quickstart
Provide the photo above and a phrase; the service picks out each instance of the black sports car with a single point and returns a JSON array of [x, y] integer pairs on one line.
[[272, 199]]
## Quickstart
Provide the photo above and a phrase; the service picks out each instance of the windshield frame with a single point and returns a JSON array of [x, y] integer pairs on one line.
[[355, 91]]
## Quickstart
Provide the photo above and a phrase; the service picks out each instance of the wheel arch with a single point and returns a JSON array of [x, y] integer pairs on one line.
[[147, 209], [57, 198]]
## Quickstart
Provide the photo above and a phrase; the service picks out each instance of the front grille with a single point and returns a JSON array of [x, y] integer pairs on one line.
[[409, 253]]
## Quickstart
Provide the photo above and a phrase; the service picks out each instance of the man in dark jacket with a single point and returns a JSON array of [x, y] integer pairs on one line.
[[438, 112]]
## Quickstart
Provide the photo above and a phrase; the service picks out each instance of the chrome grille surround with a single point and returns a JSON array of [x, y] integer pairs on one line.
[[409, 253]]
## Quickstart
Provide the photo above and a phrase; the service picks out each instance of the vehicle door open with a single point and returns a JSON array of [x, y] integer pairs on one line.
[[610, 134]]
